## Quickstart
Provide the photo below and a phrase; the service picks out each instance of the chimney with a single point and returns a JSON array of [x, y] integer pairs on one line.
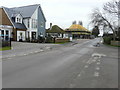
[[50, 26]]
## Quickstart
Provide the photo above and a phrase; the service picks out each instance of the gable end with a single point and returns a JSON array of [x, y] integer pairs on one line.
[[4, 19]]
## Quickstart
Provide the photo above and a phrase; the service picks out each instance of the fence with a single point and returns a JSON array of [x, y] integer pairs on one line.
[[62, 40]]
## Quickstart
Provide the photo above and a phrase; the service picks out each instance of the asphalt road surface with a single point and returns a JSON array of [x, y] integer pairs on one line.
[[79, 66]]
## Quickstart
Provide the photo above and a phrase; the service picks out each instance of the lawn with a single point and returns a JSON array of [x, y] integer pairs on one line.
[[60, 42], [112, 45], [5, 48]]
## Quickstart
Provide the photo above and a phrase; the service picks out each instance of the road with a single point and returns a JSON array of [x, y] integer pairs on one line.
[[79, 66]]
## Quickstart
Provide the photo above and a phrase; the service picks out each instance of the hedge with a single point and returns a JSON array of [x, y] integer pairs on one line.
[[5, 43], [107, 39]]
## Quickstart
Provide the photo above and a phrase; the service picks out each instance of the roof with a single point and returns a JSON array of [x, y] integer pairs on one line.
[[26, 11], [55, 29], [10, 14], [77, 27], [30, 10]]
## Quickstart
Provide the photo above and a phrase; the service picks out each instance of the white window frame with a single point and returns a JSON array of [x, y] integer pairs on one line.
[[34, 23], [18, 18]]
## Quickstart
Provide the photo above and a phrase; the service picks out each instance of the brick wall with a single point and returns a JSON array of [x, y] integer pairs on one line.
[[116, 43], [62, 40], [4, 20]]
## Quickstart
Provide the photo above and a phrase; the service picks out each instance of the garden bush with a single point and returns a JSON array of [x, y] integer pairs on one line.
[[5, 43], [27, 39], [107, 39], [34, 41], [40, 39], [49, 39]]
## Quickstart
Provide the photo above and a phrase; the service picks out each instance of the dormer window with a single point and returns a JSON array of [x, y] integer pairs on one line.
[[18, 18]]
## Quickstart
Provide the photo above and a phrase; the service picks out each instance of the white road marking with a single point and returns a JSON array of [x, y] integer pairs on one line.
[[96, 74], [98, 63], [48, 47], [89, 61], [98, 55], [99, 60], [97, 68], [72, 85], [79, 75], [41, 50], [86, 66], [36, 51], [94, 60], [25, 54]]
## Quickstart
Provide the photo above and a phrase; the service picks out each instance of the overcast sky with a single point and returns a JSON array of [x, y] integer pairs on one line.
[[61, 12]]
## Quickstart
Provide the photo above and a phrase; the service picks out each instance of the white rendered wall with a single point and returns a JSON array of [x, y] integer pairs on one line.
[[30, 29]]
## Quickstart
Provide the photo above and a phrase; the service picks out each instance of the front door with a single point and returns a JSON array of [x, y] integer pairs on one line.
[[33, 35]]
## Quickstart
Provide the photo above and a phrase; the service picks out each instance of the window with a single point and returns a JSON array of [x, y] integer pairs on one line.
[[34, 23], [28, 34], [2, 32], [28, 24], [7, 32], [18, 19], [7, 35], [42, 24]]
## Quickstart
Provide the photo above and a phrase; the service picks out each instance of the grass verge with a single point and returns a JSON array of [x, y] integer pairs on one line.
[[111, 45], [5, 48], [61, 42]]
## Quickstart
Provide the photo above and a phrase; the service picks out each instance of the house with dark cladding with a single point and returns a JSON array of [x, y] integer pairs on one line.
[[21, 23]]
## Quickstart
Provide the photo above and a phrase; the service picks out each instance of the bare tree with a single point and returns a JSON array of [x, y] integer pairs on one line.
[[80, 23], [74, 22], [112, 7], [108, 17]]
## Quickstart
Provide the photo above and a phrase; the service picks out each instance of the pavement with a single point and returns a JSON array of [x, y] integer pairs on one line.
[[22, 48], [80, 65]]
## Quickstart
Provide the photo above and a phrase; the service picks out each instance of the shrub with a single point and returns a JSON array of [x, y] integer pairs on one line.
[[34, 41], [49, 39], [27, 39], [107, 39], [5, 43], [40, 39]]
